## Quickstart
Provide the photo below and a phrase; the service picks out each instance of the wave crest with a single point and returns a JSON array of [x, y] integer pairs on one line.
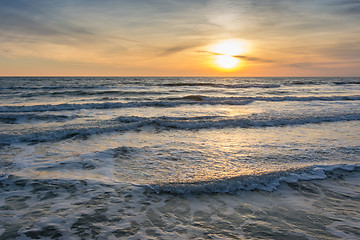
[[266, 182]]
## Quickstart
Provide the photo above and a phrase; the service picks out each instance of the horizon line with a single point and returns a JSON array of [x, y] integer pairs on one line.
[[171, 76]]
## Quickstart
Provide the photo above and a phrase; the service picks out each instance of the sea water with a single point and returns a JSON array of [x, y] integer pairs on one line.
[[179, 158]]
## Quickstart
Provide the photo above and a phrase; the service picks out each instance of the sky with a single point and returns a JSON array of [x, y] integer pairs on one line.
[[177, 38]]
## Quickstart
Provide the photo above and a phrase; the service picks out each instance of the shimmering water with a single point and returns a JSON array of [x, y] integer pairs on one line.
[[179, 158]]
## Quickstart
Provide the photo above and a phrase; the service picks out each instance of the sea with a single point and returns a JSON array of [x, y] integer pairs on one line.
[[179, 158]]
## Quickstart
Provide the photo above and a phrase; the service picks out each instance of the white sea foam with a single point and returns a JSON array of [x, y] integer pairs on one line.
[[267, 182]]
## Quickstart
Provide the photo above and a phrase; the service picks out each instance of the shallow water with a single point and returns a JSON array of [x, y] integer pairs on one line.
[[179, 158], [318, 209]]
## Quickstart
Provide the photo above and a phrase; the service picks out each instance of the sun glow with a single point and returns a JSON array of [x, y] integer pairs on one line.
[[226, 61], [226, 53]]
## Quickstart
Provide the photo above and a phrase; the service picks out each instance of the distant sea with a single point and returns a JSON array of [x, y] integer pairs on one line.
[[179, 158]]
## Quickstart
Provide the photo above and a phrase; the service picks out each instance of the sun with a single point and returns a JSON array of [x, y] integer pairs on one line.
[[226, 61], [226, 52]]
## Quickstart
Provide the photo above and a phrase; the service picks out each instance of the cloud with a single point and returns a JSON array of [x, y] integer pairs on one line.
[[252, 59], [300, 65], [138, 26], [325, 64], [12, 20], [25, 22], [41, 30], [173, 50], [180, 48], [344, 50], [350, 6], [247, 58]]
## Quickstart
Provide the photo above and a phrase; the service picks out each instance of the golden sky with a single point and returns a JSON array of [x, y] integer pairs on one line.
[[180, 38]]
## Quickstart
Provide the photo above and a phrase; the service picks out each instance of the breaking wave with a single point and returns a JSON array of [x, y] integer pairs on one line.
[[173, 102], [133, 123], [266, 182]]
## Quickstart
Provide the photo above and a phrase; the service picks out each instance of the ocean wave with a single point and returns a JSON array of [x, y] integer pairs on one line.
[[347, 82], [230, 100], [220, 85], [91, 93], [174, 102], [47, 87], [133, 123], [108, 105], [23, 118], [266, 182], [181, 84], [255, 120], [55, 134], [66, 107]]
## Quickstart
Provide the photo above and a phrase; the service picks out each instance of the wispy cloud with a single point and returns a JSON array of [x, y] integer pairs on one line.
[[307, 65], [247, 58], [176, 49], [349, 7], [252, 59]]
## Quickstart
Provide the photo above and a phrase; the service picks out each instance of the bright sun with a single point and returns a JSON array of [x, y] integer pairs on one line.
[[226, 51], [226, 61]]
